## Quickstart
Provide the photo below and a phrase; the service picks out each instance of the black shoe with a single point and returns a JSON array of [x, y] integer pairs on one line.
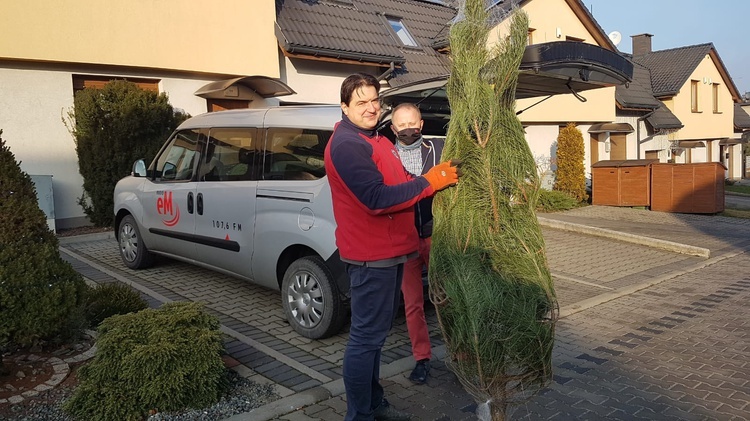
[[385, 412], [421, 372]]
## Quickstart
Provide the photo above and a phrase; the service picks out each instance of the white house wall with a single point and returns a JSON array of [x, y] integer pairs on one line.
[[40, 98], [317, 82], [36, 135]]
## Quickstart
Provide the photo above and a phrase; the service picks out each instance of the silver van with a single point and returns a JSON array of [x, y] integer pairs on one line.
[[244, 192]]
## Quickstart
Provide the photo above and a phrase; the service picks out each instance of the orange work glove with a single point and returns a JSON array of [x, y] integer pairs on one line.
[[443, 175]]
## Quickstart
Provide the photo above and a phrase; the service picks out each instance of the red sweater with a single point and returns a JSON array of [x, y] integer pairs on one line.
[[373, 195]]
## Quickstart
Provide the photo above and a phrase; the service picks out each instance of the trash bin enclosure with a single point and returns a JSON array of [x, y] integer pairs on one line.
[[622, 182], [688, 188]]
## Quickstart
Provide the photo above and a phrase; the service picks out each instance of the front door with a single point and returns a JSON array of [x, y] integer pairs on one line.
[[594, 148], [618, 149]]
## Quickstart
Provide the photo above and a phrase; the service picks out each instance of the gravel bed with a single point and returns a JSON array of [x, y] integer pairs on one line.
[[243, 396]]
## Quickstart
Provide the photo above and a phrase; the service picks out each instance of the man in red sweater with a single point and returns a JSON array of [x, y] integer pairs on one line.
[[373, 204]]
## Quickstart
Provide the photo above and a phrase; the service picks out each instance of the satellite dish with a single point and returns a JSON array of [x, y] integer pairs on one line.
[[615, 37]]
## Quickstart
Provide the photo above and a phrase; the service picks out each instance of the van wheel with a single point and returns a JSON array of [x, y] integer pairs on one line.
[[133, 251], [311, 301]]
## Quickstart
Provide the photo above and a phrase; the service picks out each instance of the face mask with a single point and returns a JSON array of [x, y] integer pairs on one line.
[[409, 136]]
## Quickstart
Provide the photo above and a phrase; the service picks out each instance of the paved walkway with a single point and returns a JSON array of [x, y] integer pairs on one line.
[[653, 325]]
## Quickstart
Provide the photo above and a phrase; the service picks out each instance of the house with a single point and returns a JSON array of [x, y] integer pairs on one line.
[[49, 50], [237, 54], [696, 117]]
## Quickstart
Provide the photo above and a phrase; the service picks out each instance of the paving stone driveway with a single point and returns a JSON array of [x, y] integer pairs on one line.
[[619, 346]]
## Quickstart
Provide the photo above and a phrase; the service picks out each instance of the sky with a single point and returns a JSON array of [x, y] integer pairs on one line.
[[680, 23]]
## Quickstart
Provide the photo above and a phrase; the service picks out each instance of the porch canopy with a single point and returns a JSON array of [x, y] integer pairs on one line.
[[264, 86], [689, 144], [551, 68], [611, 128]]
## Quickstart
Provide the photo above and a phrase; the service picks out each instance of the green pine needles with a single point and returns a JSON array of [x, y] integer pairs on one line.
[[163, 360], [489, 278]]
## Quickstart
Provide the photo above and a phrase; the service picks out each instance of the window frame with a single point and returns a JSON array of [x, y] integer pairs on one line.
[[391, 20], [715, 98], [694, 97]]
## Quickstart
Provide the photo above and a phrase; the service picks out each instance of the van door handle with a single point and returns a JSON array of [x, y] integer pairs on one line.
[[199, 203], [190, 202]]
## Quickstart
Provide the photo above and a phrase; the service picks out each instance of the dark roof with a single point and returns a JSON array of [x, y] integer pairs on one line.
[[670, 69], [741, 118], [358, 30], [663, 119], [637, 94]]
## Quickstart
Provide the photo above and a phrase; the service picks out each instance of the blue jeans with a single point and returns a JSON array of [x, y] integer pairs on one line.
[[375, 299]]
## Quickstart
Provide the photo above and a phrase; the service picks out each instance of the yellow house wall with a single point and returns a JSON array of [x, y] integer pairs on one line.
[[144, 33], [545, 18], [705, 123]]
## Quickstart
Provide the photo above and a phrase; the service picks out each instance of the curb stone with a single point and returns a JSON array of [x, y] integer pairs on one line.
[[626, 237]]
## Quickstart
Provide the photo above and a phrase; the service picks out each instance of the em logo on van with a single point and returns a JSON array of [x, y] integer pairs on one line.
[[166, 208]]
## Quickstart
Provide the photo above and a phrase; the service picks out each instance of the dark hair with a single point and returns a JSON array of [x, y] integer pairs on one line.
[[355, 81]]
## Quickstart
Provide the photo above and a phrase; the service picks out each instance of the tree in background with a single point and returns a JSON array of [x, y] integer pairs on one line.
[[489, 278], [41, 295], [571, 175], [113, 127]]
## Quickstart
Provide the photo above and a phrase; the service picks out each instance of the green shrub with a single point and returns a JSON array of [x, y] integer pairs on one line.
[[167, 359], [555, 200], [40, 294], [106, 300], [113, 127], [571, 176]]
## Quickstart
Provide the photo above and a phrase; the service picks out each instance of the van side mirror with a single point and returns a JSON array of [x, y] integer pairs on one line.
[[139, 168]]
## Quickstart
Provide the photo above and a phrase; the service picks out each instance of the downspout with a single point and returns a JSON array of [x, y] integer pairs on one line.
[[638, 133], [387, 72]]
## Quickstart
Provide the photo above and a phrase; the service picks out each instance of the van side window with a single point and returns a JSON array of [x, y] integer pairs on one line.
[[178, 160], [294, 154], [230, 155]]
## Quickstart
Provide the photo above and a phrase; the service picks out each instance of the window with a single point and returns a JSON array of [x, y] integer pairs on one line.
[[401, 32], [715, 91], [295, 154], [230, 155], [694, 96], [573, 39], [178, 160], [530, 36]]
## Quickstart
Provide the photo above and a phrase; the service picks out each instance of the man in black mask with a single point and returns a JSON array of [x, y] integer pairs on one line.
[[418, 155]]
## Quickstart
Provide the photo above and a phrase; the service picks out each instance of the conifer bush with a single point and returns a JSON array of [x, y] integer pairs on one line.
[[571, 174], [113, 127], [106, 300], [40, 294], [555, 201], [165, 359]]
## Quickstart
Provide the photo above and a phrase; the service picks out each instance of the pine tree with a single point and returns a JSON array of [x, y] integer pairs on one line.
[[489, 278]]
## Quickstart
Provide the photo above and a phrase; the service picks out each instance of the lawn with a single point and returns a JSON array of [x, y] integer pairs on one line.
[[736, 213], [738, 189]]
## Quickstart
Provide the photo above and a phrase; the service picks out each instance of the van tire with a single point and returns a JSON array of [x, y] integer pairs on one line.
[[311, 300], [133, 250]]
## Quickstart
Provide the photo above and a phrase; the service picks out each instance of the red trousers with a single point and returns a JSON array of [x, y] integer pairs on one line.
[[413, 292]]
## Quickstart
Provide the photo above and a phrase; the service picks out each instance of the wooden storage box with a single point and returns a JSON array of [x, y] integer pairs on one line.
[[621, 183], [688, 188]]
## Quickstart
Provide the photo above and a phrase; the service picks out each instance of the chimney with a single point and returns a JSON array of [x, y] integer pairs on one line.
[[641, 44]]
